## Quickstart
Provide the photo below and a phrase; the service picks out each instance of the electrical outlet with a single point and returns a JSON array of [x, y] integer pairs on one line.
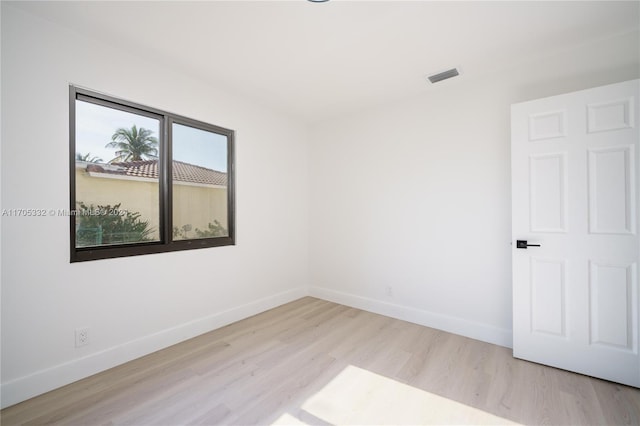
[[82, 337], [389, 291]]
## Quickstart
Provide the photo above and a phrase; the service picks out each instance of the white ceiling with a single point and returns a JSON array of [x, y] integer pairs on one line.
[[320, 60]]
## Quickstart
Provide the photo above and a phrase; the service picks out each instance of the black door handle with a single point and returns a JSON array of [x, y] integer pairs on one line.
[[522, 244]]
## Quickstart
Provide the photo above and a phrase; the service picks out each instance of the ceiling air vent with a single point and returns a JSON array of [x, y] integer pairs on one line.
[[443, 75]]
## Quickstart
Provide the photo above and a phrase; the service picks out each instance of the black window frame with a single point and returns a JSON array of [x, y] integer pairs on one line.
[[165, 182]]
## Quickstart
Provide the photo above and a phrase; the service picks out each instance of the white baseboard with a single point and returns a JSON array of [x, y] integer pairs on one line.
[[483, 332], [26, 387]]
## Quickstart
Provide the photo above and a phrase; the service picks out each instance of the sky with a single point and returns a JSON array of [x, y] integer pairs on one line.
[[95, 124]]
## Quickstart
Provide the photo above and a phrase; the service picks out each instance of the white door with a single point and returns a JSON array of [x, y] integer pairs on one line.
[[575, 189]]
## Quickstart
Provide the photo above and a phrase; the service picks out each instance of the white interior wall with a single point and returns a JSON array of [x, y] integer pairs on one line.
[[138, 304], [410, 202]]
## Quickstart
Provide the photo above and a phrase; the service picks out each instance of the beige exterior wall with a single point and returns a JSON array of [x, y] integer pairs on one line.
[[198, 206], [194, 205]]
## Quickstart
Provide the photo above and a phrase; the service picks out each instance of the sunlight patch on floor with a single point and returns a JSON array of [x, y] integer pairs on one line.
[[358, 396], [288, 419]]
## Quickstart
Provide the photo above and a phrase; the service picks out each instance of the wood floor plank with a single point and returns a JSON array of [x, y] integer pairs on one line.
[[317, 362]]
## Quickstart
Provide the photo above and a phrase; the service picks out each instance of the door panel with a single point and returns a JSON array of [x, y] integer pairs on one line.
[[612, 290], [614, 115], [547, 186], [574, 192], [548, 301], [547, 125], [611, 190]]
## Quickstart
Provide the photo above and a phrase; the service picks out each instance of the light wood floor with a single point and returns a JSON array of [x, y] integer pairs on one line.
[[316, 362]]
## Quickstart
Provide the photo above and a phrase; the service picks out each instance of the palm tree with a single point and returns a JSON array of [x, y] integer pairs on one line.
[[88, 158], [133, 144]]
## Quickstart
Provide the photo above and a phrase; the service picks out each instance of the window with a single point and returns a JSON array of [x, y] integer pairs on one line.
[[145, 181]]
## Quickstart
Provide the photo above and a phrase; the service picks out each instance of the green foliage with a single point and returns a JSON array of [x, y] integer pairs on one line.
[[106, 224], [88, 158], [133, 144], [214, 229], [181, 233]]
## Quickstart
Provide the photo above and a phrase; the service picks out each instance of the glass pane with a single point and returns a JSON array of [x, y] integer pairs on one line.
[[117, 191], [199, 183]]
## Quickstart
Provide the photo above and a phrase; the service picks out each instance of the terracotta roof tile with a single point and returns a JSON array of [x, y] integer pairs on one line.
[[183, 172]]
